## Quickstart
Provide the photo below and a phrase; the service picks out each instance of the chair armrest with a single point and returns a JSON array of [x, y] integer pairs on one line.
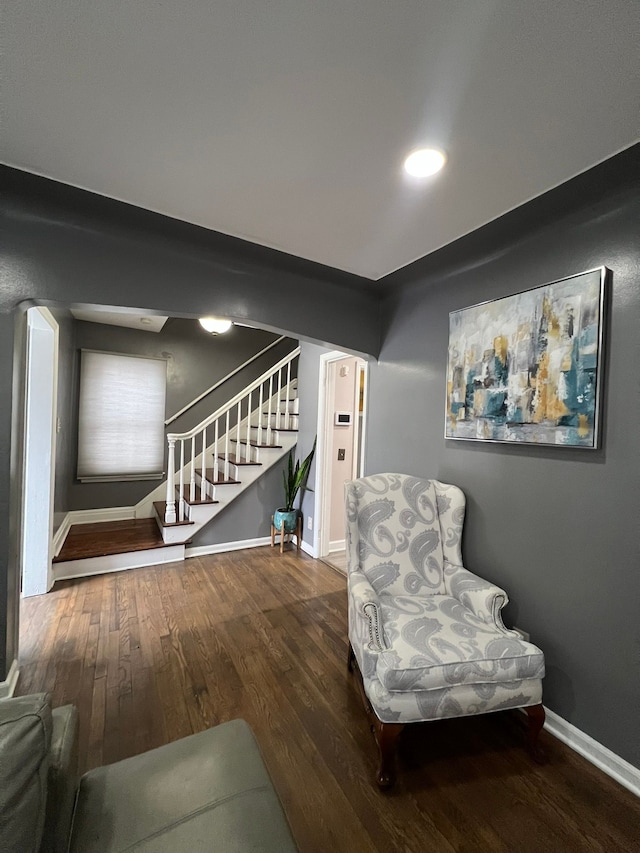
[[364, 605], [25, 737], [63, 780], [484, 599]]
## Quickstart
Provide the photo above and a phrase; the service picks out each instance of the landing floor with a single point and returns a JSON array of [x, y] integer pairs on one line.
[[105, 538]]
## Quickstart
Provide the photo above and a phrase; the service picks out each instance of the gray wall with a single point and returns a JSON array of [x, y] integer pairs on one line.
[[557, 528], [249, 516], [65, 247], [195, 361]]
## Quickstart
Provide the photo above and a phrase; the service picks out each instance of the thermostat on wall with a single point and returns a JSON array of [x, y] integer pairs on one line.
[[343, 418]]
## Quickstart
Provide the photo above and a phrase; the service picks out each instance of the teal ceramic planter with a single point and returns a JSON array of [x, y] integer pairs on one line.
[[288, 516]]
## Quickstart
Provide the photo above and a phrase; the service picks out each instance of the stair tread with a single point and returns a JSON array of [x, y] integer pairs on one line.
[[276, 429], [106, 538], [233, 460], [199, 500], [255, 444], [208, 475], [160, 507]]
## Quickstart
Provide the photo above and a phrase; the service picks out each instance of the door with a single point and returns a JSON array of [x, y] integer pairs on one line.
[[342, 424]]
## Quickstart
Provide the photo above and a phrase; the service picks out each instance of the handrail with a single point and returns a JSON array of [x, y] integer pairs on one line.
[[178, 436], [222, 381]]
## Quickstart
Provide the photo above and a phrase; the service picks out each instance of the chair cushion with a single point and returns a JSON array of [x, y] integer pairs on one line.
[[435, 642], [460, 700], [25, 735], [398, 533], [210, 791]]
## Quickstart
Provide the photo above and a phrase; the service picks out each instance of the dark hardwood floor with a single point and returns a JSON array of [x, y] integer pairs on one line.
[[151, 655]]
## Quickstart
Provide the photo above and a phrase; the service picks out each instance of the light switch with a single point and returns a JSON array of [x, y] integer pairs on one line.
[[341, 454]]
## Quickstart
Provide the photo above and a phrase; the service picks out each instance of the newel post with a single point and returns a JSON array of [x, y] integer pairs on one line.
[[170, 510]]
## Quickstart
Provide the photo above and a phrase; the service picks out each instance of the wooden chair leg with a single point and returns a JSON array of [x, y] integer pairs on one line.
[[386, 735], [536, 716]]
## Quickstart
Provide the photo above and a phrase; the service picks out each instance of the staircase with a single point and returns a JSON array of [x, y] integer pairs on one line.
[[208, 468]]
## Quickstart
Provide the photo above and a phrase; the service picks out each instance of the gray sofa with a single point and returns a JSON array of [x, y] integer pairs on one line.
[[207, 792]]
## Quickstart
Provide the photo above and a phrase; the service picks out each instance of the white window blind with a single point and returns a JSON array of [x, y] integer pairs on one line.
[[121, 417]]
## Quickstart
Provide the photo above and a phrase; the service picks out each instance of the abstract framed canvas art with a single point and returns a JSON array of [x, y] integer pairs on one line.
[[527, 368]]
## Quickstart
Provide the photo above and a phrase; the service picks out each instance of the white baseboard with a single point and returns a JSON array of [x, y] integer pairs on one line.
[[9, 684], [338, 545], [309, 549], [240, 545], [223, 547], [60, 535], [603, 758], [107, 513]]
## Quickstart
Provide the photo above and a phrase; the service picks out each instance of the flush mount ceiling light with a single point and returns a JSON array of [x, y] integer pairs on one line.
[[424, 162], [215, 325]]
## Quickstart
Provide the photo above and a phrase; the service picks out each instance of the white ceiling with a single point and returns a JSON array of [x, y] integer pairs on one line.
[[144, 322], [285, 122]]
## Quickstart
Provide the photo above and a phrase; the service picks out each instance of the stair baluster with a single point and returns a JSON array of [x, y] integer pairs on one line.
[[260, 415], [248, 433], [181, 482], [279, 400], [216, 462], [269, 411], [286, 419], [192, 477], [170, 509], [238, 444], [226, 449], [203, 468]]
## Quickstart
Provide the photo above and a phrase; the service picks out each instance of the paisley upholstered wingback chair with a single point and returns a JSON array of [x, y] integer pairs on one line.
[[427, 634]]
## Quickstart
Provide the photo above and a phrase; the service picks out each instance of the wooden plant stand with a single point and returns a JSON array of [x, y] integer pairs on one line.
[[282, 533]]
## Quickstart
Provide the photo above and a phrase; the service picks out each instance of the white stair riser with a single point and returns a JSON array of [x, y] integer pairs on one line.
[[293, 423], [199, 513], [117, 562], [239, 448], [227, 493]]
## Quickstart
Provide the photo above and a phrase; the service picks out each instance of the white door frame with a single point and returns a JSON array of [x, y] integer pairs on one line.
[[360, 427], [323, 460], [39, 457]]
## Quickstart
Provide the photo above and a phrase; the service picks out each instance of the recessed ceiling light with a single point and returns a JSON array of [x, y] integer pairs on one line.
[[215, 325], [424, 162]]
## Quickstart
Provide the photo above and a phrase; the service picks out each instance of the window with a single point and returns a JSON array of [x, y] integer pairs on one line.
[[121, 417]]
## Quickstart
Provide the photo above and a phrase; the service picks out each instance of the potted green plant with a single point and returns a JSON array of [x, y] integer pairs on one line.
[[294, 478]]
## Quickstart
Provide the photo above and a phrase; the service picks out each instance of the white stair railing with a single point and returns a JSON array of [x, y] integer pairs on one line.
[[279, 376]]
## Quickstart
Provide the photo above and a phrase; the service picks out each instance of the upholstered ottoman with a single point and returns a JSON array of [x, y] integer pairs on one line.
[[209, 791]]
